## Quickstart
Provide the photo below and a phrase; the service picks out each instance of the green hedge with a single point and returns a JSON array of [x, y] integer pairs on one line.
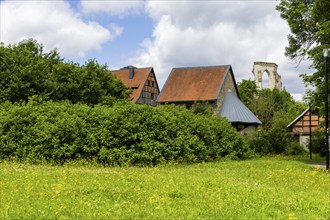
[[124, 134]]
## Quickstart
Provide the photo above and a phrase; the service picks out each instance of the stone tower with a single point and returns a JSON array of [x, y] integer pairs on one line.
[[259, 68]]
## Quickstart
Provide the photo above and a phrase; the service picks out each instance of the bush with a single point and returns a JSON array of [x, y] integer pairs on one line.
[[258, 142], [124, 134], [294, 148], [274, 141], [318, 142], [202, 108]]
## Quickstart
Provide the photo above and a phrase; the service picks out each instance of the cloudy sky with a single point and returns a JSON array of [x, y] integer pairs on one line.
[[160, 34]]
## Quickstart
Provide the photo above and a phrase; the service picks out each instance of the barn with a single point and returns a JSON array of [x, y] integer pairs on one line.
[[215, 85]]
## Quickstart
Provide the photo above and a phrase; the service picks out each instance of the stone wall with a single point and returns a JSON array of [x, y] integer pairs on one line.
[[258, 70], [228, 83]]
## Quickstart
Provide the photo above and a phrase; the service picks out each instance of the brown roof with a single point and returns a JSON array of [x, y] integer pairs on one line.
[[136, 83], [194, 84]]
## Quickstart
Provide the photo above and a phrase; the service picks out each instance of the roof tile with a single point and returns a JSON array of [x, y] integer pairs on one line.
[[193, 84], [136, 83]]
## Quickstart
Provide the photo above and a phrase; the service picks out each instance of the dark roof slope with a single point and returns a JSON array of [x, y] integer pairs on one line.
[[194, 84], [136, 83], [235, 111], [299, 117]]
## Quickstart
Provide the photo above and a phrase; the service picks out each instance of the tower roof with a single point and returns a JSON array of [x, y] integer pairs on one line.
[[235, 111]]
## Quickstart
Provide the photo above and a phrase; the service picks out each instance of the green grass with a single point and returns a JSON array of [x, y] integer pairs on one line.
[[267, 188]]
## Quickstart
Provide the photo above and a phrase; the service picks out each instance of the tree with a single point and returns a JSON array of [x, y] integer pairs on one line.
[[276, 109], [247, 90], [24, 69], [267, 102], [309, 21], [27, 71]]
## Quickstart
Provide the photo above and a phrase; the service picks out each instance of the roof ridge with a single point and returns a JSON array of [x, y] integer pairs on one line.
[[297, 118], [196, 67], [137, 68]]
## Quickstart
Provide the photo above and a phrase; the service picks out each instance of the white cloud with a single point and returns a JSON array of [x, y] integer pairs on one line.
[[196, 33], [205, 13], [115, 29], [119, 8], [54, 24]]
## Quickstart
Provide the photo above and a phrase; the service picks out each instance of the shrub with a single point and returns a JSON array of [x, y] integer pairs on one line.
[[259, 143], [318, 142], [202, 108], [124, 134], [274, 141], [294, 148]]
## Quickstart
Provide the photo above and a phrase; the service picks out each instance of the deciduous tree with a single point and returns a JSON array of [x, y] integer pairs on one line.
[[309, 21], [27, 71]]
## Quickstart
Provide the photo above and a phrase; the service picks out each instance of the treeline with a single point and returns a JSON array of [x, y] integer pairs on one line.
[[55, 111], [27, 71], [276, 109]]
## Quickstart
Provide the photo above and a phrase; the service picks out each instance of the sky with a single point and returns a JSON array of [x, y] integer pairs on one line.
[[158, 33]]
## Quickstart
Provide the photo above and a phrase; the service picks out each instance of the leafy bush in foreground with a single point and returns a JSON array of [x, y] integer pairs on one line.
[[124, 134]]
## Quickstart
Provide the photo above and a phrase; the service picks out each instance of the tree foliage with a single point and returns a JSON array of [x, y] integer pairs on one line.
[[27, 71], [202, 108], [276, 109], [247, 90], [309, 22], [266, 103]]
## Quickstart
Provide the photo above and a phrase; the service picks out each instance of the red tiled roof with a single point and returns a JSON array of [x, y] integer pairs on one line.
[[193, 84], [136, 83]]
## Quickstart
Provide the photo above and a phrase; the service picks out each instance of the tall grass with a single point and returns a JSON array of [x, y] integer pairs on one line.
[[271, 188]]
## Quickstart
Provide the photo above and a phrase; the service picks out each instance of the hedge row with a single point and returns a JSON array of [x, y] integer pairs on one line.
[[123, 134]]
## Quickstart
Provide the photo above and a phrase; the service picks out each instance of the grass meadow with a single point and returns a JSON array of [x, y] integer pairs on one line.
[[265, 188]]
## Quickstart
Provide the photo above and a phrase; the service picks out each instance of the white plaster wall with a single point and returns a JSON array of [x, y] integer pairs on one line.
[[304, 142]]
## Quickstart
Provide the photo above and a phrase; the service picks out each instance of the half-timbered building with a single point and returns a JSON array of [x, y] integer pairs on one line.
[[142, 82], [301, 127]]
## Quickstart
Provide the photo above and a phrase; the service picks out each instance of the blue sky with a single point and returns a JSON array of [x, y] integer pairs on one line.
[[161, 34], [136, 28]]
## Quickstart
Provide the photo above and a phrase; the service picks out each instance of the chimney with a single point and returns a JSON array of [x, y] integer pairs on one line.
[[131, 70]]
